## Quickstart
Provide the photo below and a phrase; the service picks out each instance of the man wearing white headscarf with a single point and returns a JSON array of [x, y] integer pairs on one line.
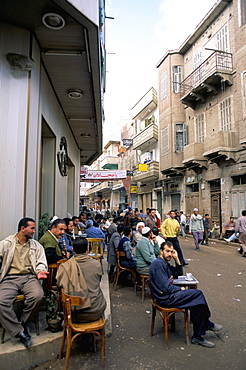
[[138, 235]]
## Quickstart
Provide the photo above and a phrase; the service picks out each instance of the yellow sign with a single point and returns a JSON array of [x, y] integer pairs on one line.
[[133, 189], [142, 167]]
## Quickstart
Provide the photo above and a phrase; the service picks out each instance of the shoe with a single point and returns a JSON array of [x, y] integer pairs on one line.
[[185, 264], [216, 327], [198, 249], [227, 240], [26, 339], [205, 244], [202, 342]]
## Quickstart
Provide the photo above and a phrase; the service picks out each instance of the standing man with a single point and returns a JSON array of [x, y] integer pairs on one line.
[[50, 241], [23, 264], [135, 220], [196, 228], [206, 227], [151, 220], [169, 230], [168, 295], [182, 223], [241, 224]]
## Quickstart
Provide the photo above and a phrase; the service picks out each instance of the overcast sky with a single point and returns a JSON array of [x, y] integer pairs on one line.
[[140, 34]]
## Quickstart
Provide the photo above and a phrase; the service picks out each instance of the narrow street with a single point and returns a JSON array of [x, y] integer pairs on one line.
[[221, 273]]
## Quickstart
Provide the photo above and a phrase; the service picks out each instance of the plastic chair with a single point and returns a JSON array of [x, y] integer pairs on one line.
[[95, 249], [72, 330], [166, 314], [21, 298], [120, 269]]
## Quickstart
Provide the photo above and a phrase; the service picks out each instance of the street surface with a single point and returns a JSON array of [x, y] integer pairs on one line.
[[221, 273]]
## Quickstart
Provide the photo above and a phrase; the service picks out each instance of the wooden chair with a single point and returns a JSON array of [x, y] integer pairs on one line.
[[21, 298], [166, 314], [72, 330], [120, 269], [95, 248], [50, 282], [144, 280]]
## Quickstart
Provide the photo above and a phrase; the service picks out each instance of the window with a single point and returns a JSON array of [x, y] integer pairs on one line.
[[192, 188], [225, 114], [163, 85], [164, 141], [197, 59], [200, 128], [242, 12], [222, 39], [239, 180], [180, 136], [244, 89], [177, 78]]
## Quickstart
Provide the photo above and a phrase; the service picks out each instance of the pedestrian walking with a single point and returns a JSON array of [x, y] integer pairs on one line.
[[196, 228]]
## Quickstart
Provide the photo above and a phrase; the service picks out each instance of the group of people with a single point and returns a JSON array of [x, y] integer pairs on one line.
[[24, 263], [150, 254]]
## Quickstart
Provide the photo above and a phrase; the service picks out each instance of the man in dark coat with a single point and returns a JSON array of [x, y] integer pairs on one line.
[[168, 295]]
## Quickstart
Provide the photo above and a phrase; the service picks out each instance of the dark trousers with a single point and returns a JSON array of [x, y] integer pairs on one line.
[[205, 236], [177, 247], [10, 287], [194, 300]]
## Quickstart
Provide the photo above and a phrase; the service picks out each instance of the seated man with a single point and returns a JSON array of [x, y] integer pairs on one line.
[[76, 225], [93, 231], [50, 241], [82, 221], [168, 295], [146, 251], [111, 251], [23, 263], [159, 239], [128, 260], [81, 276], [66, 241], [138, 235]]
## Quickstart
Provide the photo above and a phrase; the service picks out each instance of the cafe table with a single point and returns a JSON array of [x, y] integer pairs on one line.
[[191, 283]]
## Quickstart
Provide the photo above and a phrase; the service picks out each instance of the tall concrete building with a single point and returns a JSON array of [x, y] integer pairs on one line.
[[202, 107], [52, 72]]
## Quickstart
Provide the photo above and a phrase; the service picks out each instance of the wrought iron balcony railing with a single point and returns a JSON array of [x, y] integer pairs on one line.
[[217, 62]]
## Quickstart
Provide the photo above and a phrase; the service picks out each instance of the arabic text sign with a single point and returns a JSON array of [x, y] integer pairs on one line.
[[105, 175]]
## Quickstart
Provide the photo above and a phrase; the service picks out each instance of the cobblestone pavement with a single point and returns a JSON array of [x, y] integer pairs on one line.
[[221, 272]]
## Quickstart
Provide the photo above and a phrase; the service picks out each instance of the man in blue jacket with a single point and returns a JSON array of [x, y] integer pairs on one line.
[[168, 295]]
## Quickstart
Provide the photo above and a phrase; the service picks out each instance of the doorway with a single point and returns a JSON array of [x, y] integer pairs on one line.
[[48, 144]]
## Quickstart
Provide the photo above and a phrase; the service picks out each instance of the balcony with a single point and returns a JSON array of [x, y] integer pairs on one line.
[[206, 79], [110, 162], [220, 144], [193, 155], [146, 137], [151, 175], [145, 105]]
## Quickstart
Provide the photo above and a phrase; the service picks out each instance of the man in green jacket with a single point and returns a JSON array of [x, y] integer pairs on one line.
[[50, 240], [147, 250]]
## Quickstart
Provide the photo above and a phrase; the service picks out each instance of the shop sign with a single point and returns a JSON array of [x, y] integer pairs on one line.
[[133, 189], [100, 176], [127, 142], [143, 167]]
